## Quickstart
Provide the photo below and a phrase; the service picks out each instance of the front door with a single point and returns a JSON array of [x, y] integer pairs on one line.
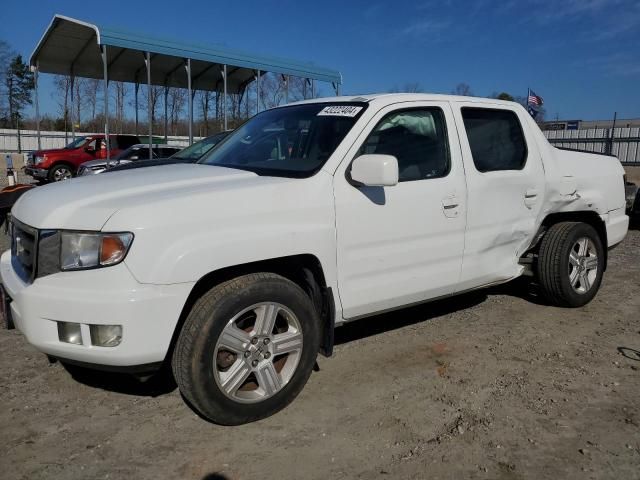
[[402, 244]]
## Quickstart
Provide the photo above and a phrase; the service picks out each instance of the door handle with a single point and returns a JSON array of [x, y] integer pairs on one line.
[[530, 197], [450, 206]]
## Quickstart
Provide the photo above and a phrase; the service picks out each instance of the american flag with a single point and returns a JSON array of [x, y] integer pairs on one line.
[[534, 99]]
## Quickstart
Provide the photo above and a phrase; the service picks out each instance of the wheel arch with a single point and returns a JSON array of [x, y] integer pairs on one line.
[[588, 217], [305, 270]]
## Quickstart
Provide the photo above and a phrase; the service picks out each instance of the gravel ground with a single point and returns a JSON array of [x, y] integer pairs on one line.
[[492, 384]]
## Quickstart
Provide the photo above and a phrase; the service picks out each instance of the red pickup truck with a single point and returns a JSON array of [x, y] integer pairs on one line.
[[62, 163]]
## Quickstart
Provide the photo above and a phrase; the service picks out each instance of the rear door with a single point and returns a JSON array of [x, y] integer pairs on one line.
[[505, 188], [402, 244]]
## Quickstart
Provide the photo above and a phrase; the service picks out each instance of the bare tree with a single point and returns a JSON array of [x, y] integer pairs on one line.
[[120, 94], [409, 87], [152, 99], [5, 60], [204, 99], [78, 102], [62, 89], [176, 100], [272, 90], [90, 88], [463, 89]]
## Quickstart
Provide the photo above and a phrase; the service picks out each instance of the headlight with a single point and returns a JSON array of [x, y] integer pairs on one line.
[[39, 159], [90, 250]]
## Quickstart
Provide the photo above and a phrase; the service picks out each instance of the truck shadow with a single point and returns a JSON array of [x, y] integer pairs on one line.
[[629, 353], [160, 383], [163, 382], [387, 322], [366, 327]]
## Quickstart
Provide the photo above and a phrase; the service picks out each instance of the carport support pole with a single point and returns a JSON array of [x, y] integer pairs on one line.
[[35, 87], [72, 81], [166, 120], [147, 62], [106, 100], [258, 92], [224, 74], [136, 104], [190, 101], [313, 88]]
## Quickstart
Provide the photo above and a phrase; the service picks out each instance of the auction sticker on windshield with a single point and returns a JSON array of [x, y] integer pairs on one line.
[[339, 111]]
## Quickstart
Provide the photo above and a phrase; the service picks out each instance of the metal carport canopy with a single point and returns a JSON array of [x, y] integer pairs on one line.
[[81, 49], [73, 47]]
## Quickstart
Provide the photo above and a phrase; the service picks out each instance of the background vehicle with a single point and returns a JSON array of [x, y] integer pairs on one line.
[[134, 153], [633, 199], [61, 164], [190, 154], [236, 269]]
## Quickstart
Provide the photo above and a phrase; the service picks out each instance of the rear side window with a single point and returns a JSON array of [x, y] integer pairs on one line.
[[418, 140], [496, 139], [125, 141]]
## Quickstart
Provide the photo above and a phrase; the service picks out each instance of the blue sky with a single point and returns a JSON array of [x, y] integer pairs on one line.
[[581, 56]]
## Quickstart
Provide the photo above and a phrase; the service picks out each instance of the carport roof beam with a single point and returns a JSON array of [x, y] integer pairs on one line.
[[68, 41]]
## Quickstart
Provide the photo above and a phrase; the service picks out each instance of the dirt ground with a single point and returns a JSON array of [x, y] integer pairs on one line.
[[492, 384]]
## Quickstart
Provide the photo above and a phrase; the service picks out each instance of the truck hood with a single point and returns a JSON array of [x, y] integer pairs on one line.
[[86, 203], [52, 151]]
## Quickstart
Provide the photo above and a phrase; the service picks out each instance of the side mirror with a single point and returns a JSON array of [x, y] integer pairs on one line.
[[89, 150], [373, 170]]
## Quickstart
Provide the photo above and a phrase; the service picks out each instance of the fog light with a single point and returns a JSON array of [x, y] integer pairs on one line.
[[105, 335], [69, 333]]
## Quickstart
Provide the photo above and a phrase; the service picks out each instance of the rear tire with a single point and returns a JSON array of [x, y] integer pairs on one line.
[[570, 264], [247, 348]]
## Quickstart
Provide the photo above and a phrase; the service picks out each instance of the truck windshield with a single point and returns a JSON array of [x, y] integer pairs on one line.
[[77, 142], [293, 141]]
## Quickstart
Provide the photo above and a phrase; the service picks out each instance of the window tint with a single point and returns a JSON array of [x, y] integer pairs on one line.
[[125, 141], [417, 138], [496, 139]]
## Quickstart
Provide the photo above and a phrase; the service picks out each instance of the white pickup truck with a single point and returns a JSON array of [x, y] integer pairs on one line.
[[235, 270]]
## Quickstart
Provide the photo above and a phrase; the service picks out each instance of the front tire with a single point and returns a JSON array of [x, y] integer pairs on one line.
[[60, 172], [570, 264], [247, 348]]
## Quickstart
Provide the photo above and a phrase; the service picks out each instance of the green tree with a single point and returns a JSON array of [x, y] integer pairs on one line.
[[20, 84]]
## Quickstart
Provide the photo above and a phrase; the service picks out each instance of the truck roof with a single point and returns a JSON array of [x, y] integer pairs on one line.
[[390, 98]]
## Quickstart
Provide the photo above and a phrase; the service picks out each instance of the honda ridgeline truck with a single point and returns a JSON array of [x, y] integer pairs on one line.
[[235, 270]]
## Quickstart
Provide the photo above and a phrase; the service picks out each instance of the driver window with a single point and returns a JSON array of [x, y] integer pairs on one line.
[[418, 140]]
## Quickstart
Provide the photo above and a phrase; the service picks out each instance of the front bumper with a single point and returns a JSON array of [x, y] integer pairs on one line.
[[148, 313], [36, 172], [84, 171]]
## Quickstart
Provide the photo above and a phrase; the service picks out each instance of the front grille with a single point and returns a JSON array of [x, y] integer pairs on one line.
[[24, 245]]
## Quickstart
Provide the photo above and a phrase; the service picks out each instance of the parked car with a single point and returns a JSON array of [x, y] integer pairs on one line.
[[633, 199], [236, 269], [134, 153], [190, 154], [61, 164]]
